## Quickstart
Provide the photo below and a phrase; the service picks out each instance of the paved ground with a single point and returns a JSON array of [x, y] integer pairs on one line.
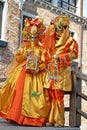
[[5, 125]]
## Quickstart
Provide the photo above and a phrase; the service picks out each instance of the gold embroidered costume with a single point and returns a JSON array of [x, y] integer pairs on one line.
[[23, 97], [64, 50]]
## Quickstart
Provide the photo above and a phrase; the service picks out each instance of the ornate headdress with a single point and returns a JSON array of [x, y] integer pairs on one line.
[[62, 20], [60, 23], [33, 28]]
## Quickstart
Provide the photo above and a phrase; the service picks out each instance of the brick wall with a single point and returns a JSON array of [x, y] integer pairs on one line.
[[12, 37]]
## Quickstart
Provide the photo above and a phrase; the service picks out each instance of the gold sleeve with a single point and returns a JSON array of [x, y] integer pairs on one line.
[[21, 55], [67, 56], [45, 58], [73, 50]]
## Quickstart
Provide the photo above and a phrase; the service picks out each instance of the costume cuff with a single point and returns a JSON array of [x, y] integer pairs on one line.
[[64, 59]]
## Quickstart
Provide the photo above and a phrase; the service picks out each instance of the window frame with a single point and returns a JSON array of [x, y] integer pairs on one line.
[[67, 5], [25, 14], [1, 15], [4, 19]]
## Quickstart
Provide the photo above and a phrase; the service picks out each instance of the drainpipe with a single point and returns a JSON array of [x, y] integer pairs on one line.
[[81, 36]]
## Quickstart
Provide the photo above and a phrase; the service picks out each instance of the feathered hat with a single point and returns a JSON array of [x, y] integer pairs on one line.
[[33, 28], [62, 20]]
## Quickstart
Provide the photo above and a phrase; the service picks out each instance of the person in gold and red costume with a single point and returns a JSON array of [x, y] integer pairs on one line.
[[63, 49], [23, 98]]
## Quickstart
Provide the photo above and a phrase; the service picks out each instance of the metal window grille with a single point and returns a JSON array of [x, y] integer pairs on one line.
[[67, 4]]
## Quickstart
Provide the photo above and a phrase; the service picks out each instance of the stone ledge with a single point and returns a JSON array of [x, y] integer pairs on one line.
[[60, 11], [5, 125], [3, 43]]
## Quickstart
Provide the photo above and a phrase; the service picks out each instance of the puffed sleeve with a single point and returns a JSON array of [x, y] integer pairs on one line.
[[21, 54], [70, 53], [45, 59]]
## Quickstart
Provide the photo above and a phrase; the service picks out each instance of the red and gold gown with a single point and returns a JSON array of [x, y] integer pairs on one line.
[[23, 98], [66, 51]]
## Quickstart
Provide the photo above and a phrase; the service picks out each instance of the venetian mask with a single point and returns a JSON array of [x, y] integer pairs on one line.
[[60, 23]]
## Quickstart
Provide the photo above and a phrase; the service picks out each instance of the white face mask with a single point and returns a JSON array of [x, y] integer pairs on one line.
[[59, 30]]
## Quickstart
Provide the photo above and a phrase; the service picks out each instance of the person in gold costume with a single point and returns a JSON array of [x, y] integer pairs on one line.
[[63, 49], [23, 98]]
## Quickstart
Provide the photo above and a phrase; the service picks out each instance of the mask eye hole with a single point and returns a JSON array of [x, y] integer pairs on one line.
[[59, 28]]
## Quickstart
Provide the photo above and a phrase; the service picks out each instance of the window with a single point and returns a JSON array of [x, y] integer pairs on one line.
[[24, 17], [72, 4], [72, 34], [1, 11], [85, 27], [67, 4], [48, 1]]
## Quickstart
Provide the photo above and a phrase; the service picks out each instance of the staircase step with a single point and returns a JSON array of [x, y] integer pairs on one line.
[[6, 125]]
